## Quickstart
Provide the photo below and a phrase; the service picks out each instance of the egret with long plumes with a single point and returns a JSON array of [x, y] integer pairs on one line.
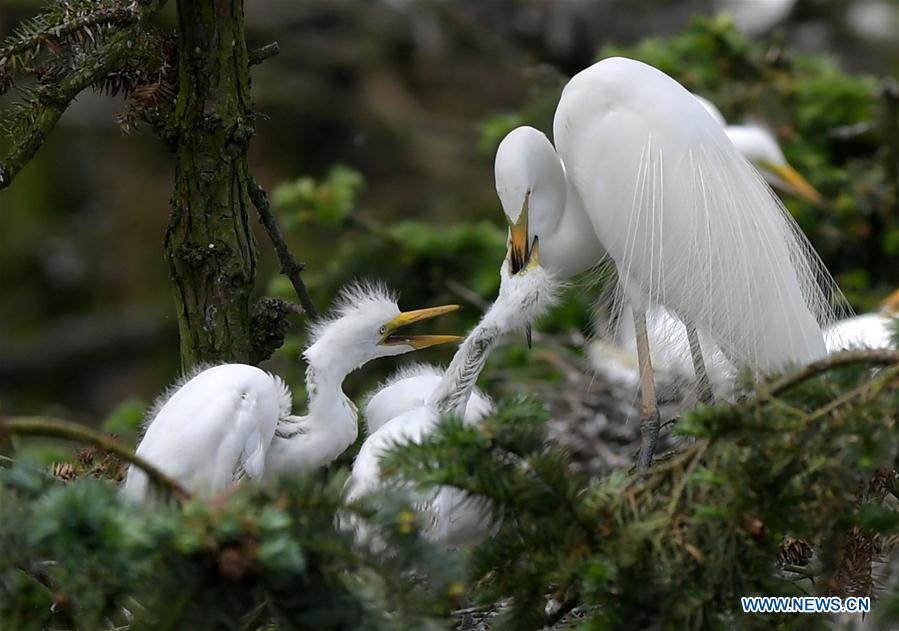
[[234, 421], [456, 518], [688, 222]]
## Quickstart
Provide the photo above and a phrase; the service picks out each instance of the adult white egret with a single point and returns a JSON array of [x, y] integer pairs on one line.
[[759, 146], [455, 517], [754, 17], [688, 222], [869, 330], [234, 420], [668, 339]]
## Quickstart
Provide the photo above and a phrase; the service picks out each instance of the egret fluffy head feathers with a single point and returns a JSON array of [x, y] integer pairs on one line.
[[364, 325], [524, 295]]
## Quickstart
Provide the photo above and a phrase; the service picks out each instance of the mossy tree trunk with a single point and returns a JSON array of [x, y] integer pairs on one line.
[[209, 244]]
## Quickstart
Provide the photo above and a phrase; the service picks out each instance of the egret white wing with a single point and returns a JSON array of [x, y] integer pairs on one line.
[[220, 420]]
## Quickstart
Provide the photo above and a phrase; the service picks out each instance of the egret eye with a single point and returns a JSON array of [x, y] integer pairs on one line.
[[383, 329]]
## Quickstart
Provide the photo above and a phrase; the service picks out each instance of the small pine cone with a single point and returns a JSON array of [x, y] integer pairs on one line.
[[110, 467], [238, 562], [887, 544], [63, 471], [853, 574], [794, 552], [86, 456]]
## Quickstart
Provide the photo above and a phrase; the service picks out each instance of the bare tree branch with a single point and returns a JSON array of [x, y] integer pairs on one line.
[[882, 357], [266, 52], [56, 428], [289, 266]]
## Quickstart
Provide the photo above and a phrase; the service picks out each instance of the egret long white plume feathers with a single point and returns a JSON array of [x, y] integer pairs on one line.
[[688, 221]]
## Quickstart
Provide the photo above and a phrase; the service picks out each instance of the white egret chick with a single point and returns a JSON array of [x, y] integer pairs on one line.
[[410, 387], [234, 421], [866, 331], [364, 326], [688, 222], [214, 428], [457, 519], [758, 145]]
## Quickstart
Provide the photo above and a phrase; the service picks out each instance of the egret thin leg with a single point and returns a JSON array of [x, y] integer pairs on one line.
[[650, 420], [703, 385]]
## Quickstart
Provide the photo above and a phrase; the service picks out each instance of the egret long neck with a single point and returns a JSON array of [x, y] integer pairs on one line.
[[572, 247], [452, 394], [328, 405]]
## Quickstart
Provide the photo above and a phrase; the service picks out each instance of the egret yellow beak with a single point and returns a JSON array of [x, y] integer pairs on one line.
[[890, 305], [798, 183], [388, 330], [518, 236]]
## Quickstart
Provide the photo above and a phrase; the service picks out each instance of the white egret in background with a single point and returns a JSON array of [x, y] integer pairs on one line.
[[759, 146], [869, 330], [233, 421], [754, 17], [456, 518], [688, 222]]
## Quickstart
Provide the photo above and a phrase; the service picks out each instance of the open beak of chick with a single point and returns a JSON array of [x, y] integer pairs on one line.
[[390, 336], [796, 183], [521, 254]]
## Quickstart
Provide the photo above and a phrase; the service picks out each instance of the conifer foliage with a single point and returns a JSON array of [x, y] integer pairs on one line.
[[73, 555], [809, 458]]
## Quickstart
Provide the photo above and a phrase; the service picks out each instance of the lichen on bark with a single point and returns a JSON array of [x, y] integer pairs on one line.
[[209, 243]]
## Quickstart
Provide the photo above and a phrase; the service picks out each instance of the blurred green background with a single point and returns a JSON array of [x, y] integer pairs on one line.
[[375, 137]]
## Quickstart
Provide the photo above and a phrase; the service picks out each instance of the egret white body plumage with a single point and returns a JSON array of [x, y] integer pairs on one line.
[[869, 330], [233, 420], [410, 388], [213, 429], [455, 518], [866, 331], [688, 222], [668, 340]]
